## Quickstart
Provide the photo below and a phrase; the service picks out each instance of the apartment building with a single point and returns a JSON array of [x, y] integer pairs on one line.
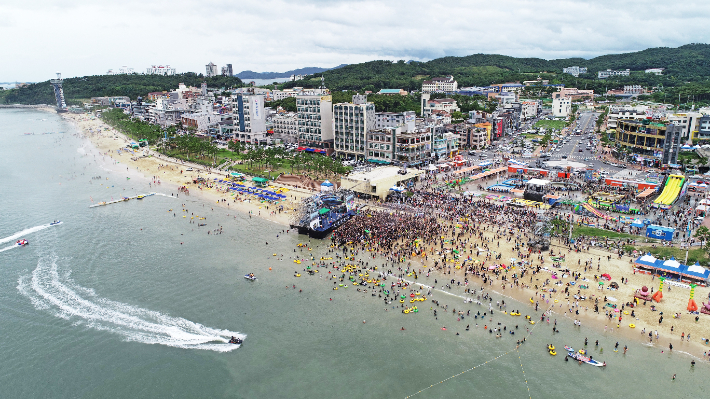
[[352, 122], [655, 71], [561, 107], [633, 89], [210, 70], [281, 94], [617, 113], [702, 131], [394, 119], [440, 85], [314, 112], [440, 104], [530, 109], [573, 94], [166, 70], [609, 73], [251, 118], [381, 144], [574, 70], [414, 148], [285, 127], [687, 122]]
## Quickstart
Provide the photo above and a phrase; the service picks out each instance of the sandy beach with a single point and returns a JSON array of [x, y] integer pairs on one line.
[[161, 170]]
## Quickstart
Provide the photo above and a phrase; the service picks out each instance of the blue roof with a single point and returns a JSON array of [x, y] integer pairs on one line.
[[647, 260], [697, 271], [396, 91]]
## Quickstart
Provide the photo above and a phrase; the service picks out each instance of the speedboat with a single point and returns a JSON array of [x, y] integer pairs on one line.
[[140, 196], [235, 340], [56, 222], [22, 243], [250, 277]]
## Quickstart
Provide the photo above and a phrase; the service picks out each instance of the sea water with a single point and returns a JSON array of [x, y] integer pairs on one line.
[[127, 300]]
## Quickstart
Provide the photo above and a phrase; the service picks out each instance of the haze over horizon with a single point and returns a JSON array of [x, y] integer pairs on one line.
[[80, 39]]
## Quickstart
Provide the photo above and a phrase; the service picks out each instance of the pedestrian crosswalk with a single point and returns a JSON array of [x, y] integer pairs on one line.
[[575, 157]]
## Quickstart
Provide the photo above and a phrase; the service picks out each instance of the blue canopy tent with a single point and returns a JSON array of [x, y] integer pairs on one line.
[[670, 266], [697, 272], [637, 223], [647, 261]]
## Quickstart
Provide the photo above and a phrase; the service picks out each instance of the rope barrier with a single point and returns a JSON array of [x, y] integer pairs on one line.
[[483, 364]]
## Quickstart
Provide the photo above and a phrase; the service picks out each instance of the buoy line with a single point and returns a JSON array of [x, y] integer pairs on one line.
[[525, 378], [483, 364]]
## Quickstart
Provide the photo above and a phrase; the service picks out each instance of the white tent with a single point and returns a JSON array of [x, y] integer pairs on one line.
[[327, 186]]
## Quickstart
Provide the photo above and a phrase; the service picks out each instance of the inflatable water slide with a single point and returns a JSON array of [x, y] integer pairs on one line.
[[596, 212], [671, 190]]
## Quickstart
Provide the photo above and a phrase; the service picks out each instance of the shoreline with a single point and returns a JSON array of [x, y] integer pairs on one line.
[[159, 169], [107, 140]]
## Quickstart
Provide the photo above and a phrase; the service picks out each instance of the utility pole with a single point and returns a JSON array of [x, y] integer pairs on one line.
[[687, 249]]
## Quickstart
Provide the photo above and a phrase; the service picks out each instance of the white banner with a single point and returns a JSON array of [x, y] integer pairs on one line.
[[256, 108]]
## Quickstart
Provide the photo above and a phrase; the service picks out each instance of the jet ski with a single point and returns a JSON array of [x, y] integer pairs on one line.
[[236, 341], [22, 243], [250, 277], [56, 222]]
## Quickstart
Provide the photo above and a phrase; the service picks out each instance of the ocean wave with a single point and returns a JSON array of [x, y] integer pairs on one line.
[[60, 296]]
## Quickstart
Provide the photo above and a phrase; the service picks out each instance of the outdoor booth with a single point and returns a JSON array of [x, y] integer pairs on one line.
[[697, 274], [646, 262], [670, 266], [260, 181], [660, 232]]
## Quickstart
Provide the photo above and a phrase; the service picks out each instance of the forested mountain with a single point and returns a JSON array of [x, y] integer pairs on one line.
[[133, 85], [686, 74], [244, 75], [689, 64]]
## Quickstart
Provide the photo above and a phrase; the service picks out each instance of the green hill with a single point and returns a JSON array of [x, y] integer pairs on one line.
[[110, 85], [686, 64]]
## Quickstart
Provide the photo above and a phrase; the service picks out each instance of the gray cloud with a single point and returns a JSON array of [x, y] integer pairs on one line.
[[88, 38]]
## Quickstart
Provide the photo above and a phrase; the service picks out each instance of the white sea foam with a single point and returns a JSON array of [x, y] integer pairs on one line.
[[9, 248], [59, 295], [23, 233]]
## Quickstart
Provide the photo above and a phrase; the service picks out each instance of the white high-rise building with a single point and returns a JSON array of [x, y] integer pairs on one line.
[[211, 70], [561, 107], [352, 122], [574, 70], [314, 110], [160, 70]]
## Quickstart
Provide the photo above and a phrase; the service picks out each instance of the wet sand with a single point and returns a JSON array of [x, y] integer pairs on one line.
[[172, 173]]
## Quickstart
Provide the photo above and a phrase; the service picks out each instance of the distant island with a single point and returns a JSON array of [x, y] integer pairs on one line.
[[244, 75]]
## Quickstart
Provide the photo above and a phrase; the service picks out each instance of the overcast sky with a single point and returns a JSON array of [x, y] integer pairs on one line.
[[40, 37]]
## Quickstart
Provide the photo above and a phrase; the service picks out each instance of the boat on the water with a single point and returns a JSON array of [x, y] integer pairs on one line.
[[236, 341], [250, 277], [141, 196], [580, 356], [56, 222], [22, 242]]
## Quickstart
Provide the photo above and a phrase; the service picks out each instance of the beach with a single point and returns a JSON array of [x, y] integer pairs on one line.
[[172, 173], [158, 168], [134, 298]]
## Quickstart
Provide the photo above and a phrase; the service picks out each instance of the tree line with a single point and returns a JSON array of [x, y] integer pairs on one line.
[[130, 85]]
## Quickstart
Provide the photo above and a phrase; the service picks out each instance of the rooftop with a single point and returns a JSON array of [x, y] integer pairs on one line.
[[383, 173]]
